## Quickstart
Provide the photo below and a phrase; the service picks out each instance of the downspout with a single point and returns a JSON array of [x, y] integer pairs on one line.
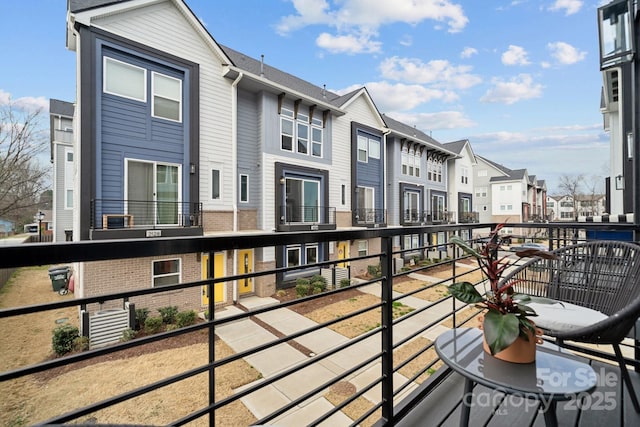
[[234, 180]]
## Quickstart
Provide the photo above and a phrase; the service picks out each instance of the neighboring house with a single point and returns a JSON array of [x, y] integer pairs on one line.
[[461, 181], [61, 131], [564, 209], [536, 204], [418, 178]]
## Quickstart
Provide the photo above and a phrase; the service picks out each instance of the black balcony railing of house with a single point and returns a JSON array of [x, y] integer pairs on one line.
[[468, 217], [109, 214], [364, 216], [313, 217], [383, 372], [416, 217]]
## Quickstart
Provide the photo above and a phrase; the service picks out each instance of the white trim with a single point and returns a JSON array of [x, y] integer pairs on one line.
[[240, 188], [105, 59], [154, 276], [153, 96]]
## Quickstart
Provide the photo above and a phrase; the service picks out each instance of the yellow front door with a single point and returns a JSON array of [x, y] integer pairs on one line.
[[245, 265], [343, 253], [218, 271]]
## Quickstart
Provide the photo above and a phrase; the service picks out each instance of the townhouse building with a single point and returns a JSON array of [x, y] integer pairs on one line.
[[177, 135], [61, 148], [564, 208], [418, 182], [461, 181]]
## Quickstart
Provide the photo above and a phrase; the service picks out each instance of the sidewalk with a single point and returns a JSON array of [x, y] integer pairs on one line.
[[245, 334]]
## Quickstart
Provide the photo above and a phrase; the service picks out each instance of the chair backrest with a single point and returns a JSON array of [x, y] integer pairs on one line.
[[601, 275]]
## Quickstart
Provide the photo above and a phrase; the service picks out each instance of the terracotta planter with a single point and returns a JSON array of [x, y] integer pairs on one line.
[[521, 351]]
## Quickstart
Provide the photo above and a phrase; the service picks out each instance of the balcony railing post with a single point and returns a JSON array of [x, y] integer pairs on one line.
[[386, 264]]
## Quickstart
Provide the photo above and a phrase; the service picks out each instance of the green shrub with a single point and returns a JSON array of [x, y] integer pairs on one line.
[[374, 270], [168, 314], [302, 287], [319, 283], [141, 317], [186, 318], [345, 283], [128, 334], [153, 324], [63, 339]]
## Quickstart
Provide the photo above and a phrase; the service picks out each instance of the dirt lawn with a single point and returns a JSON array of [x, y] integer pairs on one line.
[[34, 399]]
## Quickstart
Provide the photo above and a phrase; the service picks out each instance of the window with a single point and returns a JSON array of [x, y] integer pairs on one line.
[[464, 175], [344, 193], [366, 202], [374, 148], [167, 97], [293, 256], [68, 178], [481, 192], [482, 172], [434, 170], [124, 80], [412, 206], [363, 248], [156, 190], [410, 164], [244, 188], [312, 254], [411, 241], [551, 204], [166, 272], [303, 200], [215, 184], [286, 130], [362, 149], [307, 133]]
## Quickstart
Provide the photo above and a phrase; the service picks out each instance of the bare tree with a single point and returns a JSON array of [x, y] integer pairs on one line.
[[593, 185], [22, 176], [570, 185]]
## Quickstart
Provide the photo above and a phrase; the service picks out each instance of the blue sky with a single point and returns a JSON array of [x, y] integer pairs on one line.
[[519, 78]]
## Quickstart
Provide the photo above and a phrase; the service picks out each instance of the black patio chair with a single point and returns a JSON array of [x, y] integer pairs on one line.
[[598, 283]]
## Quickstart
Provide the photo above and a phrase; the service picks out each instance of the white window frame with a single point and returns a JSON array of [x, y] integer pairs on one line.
[[154, 74], [154, 276], [363, 148], [314, 128], [286, 115], [363, 248], [464, 175], [220, 186], [68, 179], [291, 249], [107, 59], [316, 143], [306, 253], [243, 175], [374, 148]]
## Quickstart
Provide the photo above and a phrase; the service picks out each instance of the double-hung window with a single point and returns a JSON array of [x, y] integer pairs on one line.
[[166, 272], [125, 80], [167, 97], [305, 131]]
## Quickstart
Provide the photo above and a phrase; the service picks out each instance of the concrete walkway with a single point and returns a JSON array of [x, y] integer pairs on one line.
[[245, 334]]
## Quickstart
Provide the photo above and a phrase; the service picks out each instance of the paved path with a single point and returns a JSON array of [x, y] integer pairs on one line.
[[245, 334]]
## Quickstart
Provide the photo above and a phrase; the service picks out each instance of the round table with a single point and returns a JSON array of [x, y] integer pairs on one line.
[[555, 375]]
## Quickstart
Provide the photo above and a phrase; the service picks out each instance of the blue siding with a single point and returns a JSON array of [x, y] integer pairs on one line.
[[371, 174], [127, 130]]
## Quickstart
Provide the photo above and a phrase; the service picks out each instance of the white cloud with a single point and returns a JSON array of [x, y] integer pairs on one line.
[[407, 40], [366, 16], [566, 54], [350, 44], [515, 55], [468, 52], [26, 103], [427, 122], [516, 89], [569, 6], [439, 72], [401, 97]]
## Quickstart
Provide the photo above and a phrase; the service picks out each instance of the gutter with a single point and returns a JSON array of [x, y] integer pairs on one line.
[[234, 168]]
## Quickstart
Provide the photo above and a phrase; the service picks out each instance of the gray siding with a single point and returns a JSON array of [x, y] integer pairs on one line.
[[371, 174], [249, 148], [63, 216]]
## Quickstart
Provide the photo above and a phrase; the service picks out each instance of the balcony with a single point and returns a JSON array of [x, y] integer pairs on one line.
[[305, 371], [111, 219], [370, 217], [415, 217], [469, 217], [306, 218]]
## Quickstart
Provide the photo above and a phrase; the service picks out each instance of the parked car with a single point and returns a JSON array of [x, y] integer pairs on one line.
[[528, 245]]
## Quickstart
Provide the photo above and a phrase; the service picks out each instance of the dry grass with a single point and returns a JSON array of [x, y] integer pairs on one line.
[[359, 324], [30, 400], [412, 368], [431, 294], [461, 316]]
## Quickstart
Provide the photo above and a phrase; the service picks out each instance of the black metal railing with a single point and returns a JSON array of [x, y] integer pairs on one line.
[[301, 214], [370, 216], [468, 217], [109, 214], [375, 349]]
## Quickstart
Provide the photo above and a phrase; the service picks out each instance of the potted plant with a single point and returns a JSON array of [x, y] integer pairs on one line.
[[507, 315]]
